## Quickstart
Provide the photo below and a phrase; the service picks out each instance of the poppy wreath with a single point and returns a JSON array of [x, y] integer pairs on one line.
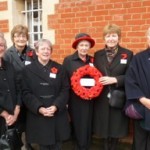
[[83, 92]]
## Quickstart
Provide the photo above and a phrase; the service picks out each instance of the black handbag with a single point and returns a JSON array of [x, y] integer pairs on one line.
[[10, 140], [117, 98]]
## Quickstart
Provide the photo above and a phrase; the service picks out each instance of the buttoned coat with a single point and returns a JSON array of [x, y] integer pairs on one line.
[[109, 121], [45, 88]]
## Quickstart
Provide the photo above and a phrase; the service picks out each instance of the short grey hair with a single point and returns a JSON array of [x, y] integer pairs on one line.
[[40, 42]]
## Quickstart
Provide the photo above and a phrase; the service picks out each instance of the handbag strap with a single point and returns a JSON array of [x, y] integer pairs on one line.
[[109, 87]]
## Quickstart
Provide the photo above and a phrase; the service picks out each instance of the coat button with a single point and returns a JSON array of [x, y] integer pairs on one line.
[[8, 90], [4, 79]]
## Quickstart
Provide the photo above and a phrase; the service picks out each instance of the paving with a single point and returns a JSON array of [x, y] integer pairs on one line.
[[124, 144]]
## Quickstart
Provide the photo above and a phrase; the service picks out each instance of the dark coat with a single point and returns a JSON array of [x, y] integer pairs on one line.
[[8, 91], [39, 89], [80, 110], [109, 121], [8, 88], [12, 56], [138, 82]]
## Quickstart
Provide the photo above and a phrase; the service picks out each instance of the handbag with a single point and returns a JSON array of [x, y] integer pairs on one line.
[[135, 111], [10, 140], [117, 99]]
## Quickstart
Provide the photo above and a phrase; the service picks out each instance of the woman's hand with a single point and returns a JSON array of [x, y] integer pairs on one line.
[[10, 119], [17, 111], [49, 111], [145, 101], [106, 80]]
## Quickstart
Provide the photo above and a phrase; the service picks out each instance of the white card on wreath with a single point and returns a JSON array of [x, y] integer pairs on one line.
[[87, 82]]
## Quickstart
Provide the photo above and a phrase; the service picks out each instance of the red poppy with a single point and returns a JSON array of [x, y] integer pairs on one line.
[[124, 56], [54, 70], [92, 60], [30, 53], [83, 92]]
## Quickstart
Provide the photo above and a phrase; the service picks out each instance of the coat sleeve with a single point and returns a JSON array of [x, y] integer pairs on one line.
[[132, 87], [30, 101], [63, 93]]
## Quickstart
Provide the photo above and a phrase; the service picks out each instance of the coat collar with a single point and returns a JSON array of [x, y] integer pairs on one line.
[[38, 70], [15, 55], [115, 61], [75, 56]]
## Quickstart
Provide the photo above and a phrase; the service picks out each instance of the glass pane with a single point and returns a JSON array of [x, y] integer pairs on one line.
[[35, 37]]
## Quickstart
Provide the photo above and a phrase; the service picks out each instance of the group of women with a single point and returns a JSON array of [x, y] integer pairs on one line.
[[37, 94]]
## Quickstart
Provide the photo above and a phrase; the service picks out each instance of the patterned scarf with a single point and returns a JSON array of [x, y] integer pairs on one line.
[[111, 53]]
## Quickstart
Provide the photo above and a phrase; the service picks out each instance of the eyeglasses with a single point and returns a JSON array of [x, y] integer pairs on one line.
[[20, 36]]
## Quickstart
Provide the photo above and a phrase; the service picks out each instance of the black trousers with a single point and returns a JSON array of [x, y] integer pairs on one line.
[[141, 138]]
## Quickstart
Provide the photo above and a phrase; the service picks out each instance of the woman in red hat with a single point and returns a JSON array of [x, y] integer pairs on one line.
[[80, 110]]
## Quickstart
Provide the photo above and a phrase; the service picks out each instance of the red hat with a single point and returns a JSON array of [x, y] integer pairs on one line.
[[80, 37]]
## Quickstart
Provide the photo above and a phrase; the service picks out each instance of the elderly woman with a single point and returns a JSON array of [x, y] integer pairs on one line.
[[20, 55], [138, 91], [80, 109], [9, 104], [110, 122], [45, 94]]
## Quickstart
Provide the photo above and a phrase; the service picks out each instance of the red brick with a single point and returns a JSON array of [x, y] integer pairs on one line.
[[3, 6], [4, 26], [146, 3], [67, 15], [75, 16], [136, 4]]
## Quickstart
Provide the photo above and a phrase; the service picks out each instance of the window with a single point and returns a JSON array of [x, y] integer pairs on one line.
[[33, 15]]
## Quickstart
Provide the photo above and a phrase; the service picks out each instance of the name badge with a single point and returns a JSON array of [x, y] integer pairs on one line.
[[123, 61], [87, 82], [91, 64], [109, 95], [52, 75], [27, 62]]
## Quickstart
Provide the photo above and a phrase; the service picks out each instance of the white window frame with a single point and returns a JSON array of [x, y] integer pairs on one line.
[[30, 22]]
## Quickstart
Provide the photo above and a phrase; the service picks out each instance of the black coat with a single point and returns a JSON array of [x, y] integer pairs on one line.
[[138, 82], [39, 89], [109, 121], [13, 57], [8, 89], [80, 110]]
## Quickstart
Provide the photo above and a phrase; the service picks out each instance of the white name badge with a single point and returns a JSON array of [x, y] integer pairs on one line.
[[123, 61], [52, 75], [87, 82], [91, 64], [27, 62]]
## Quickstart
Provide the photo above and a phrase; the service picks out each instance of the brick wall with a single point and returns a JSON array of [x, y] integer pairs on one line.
[[74, 16], [4, 26]]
